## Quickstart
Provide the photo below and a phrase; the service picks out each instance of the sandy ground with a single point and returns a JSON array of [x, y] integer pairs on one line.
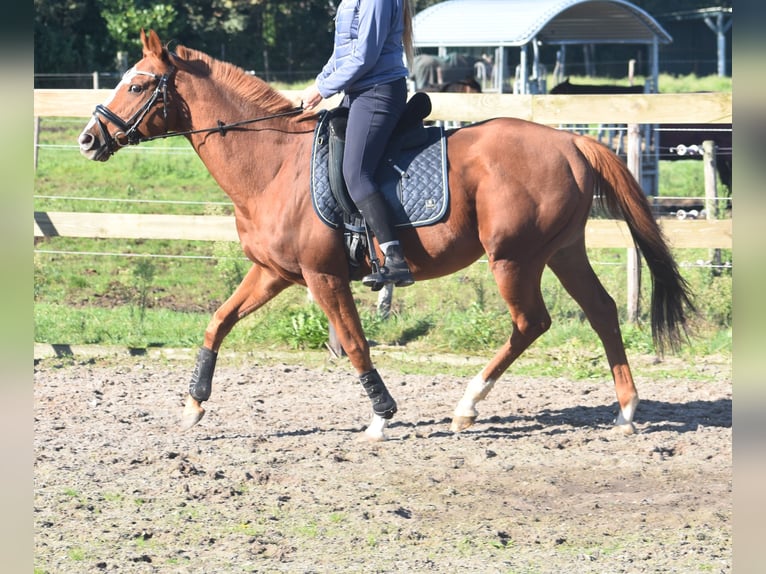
[[275, 478]]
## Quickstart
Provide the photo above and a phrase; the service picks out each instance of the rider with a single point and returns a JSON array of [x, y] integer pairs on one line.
[[367, 64]]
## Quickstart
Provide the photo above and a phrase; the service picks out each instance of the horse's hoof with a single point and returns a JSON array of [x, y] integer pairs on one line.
[[191, 416], [626, 429], [376, 430], [372, 437], [461, 423]]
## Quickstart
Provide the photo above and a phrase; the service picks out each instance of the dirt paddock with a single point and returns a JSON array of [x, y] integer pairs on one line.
[[274, 478]]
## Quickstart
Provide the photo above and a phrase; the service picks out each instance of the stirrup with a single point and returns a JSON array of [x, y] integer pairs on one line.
[[374, 281], [399, 277]]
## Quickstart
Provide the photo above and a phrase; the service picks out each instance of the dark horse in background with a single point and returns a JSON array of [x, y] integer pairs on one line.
[[671, 140], [452, 73], [520, 194], [465, 86]]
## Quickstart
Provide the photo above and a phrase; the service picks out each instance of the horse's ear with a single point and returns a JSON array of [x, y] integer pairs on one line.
[[152, 44]]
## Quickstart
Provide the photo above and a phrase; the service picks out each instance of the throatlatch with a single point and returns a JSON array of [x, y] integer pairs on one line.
[[383, 403], [202, 378]]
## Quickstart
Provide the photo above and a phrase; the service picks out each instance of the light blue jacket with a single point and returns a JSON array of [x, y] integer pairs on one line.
[[368, 47]]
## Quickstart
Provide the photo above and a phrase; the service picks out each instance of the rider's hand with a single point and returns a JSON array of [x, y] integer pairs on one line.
[[311, 97]]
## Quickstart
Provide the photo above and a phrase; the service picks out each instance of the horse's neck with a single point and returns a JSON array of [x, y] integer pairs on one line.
[[241, 161]]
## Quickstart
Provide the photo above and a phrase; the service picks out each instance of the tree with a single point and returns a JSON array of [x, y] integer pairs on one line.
[[68, 37], [294, 38], [125, 17]]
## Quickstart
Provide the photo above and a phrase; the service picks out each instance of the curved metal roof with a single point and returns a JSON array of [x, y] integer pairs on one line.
[[466, 23]]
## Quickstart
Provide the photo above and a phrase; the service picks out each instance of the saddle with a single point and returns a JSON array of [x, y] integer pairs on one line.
[[408, 133], [412, 176]]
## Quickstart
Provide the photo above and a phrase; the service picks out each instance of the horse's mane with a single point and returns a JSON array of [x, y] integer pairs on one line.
[[251, 88]]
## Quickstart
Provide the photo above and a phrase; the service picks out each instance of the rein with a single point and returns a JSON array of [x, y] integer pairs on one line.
[[128, 133], [222, 127]]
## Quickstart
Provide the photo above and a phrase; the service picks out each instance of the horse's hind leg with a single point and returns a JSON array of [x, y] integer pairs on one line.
[[257, 288], [519, 285], [573, 269]]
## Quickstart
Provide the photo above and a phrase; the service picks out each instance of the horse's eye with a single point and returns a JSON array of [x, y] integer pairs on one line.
[[135, 88]]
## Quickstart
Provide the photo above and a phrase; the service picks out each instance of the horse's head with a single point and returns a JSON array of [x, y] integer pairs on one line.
[[138, 107]]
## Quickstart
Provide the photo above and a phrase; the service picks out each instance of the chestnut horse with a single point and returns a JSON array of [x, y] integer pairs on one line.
[[521, 193]]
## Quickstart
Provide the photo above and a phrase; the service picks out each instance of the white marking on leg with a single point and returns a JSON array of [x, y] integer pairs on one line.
[[625, 415], [377, 429], [476, 391], [624, 419]]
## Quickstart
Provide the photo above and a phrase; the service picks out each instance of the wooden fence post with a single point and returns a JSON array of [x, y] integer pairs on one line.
[[333, 343], [711, 193], [384, 310], [384, 300], [37, 139], [634, 255]]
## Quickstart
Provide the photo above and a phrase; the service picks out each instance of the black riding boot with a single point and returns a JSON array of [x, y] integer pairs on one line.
[[394, 269]]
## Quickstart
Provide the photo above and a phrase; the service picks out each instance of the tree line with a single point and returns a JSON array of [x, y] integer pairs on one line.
[[286, 40]]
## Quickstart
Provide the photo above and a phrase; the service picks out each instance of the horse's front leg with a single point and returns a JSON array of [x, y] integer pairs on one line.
[[259, 286], [333, 295]]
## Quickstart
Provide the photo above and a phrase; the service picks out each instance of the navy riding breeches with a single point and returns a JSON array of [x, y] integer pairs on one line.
[[372, 117]]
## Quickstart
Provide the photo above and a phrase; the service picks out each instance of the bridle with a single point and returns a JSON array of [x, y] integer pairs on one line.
[[128, 133]]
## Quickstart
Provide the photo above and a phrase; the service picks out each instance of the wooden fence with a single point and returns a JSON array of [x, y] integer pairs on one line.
[[699, 233], [630, 109], [545, 109]]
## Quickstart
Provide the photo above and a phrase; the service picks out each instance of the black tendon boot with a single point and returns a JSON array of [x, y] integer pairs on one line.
[[383, 404], [394, 269]]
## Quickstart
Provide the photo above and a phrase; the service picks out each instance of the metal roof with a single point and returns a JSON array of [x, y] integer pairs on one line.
[[465, 23]]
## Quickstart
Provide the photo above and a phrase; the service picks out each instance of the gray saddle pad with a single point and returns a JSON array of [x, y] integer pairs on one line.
[[418, 196]]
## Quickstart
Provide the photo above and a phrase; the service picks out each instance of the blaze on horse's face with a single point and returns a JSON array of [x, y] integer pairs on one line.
[[137, 108]]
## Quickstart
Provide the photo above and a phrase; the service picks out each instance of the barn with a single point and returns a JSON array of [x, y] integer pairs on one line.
[[508, 35]]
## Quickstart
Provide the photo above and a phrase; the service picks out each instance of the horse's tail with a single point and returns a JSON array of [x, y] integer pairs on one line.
[[618, 191]]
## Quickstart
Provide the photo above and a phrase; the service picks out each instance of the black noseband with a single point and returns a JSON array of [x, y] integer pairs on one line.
[[128, 133]]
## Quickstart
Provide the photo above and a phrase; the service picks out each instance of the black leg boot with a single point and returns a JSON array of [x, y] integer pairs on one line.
[[394, 269]]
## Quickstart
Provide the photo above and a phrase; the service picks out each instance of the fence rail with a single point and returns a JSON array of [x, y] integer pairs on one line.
[[545, 109], [694, 233], [557, 110]]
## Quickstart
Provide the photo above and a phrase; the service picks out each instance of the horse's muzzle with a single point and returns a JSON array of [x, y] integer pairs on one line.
[[92, 147]]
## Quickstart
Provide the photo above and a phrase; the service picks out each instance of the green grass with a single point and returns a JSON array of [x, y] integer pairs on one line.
[[440, 316], [77, 554], [130, 297], [160, 171], [681, 179], [668, 84]]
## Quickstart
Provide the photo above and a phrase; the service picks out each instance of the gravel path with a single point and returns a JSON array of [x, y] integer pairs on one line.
[[274, 478]]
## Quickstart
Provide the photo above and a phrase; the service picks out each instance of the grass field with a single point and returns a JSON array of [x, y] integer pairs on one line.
[[161, 293]]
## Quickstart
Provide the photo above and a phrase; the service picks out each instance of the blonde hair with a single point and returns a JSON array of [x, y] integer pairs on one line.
[[407, 36]]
